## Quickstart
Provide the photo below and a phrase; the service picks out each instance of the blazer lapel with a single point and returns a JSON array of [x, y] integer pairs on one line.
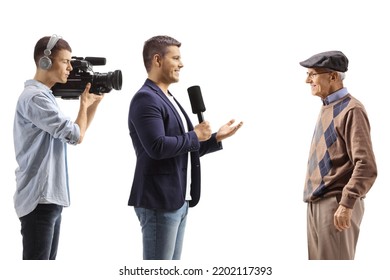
[[160, 93]]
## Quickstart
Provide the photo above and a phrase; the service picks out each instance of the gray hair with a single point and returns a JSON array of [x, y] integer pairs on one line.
[[341, 75]]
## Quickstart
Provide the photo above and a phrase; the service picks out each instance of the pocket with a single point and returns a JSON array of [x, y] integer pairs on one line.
[[338, 198]]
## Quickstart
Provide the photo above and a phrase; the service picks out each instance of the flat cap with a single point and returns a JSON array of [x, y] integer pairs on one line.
[[334, 60]]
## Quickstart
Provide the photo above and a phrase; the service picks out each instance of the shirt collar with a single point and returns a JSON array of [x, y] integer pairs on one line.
[[36, 83], [44, 89], [337, 95]]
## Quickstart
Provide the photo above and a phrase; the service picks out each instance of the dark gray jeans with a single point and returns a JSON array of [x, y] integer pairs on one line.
[[41, 231]]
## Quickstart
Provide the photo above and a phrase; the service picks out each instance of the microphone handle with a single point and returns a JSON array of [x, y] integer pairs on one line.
[[200, 117]]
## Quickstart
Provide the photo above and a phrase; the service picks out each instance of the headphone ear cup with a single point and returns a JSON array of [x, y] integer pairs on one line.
[[45, 63]]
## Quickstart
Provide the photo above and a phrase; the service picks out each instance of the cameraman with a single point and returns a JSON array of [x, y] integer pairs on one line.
[[41, 132]]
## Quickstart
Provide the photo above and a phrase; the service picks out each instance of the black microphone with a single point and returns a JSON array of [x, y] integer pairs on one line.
[[196, 100], [96, 61]]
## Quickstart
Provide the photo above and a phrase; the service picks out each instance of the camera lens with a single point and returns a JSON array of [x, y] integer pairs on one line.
[[105, 82], [115, 79]]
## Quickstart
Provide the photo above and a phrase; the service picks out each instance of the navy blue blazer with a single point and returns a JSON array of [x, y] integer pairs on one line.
[[162, 146]]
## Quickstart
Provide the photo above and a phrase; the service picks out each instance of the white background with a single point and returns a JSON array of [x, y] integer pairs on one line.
[[245, 56]]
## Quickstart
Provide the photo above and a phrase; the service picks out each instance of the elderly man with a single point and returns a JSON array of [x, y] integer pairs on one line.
[[341, 166]]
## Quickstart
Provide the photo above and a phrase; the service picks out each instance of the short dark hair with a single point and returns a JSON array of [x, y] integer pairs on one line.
[[157, 45], [41, 46]]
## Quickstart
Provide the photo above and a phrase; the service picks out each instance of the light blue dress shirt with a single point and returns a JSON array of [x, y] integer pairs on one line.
[[41, 133], [337, 95]]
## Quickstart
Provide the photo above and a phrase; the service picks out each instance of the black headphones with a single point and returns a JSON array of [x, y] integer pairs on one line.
[[45, 61]]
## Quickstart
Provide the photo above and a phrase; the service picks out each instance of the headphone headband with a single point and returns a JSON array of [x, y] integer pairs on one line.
[[50, 45]]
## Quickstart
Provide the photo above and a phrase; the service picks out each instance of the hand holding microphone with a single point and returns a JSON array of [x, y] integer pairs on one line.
[[203, 131]]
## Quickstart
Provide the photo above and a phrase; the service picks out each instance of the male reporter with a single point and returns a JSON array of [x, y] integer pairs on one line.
[[167, 145]]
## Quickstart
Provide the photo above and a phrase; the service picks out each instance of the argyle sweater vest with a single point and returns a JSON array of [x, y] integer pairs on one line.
[[341, 160]]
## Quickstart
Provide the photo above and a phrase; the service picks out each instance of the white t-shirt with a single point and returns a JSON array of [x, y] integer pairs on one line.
[[183, 119]]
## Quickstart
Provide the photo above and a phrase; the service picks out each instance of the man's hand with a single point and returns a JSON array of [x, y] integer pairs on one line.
[[87, 98], [203, 131], [342, 218], [88, 105], [227, 130]]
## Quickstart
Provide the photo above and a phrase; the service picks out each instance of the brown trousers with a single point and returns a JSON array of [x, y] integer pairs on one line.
[[325, 242]]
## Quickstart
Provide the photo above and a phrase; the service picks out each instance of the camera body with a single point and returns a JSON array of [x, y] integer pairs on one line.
[[82, 74]]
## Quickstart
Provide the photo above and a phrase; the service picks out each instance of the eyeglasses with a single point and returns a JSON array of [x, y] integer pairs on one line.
[[314, 75]]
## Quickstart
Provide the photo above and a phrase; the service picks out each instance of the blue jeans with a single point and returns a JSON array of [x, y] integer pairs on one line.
[[41, 232], [162, 232]]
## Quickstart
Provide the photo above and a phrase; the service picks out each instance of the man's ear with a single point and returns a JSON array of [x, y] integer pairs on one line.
[[157, 60]]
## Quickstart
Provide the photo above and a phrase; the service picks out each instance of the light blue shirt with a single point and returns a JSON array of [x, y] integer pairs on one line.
[[41, 132], [337, 95]]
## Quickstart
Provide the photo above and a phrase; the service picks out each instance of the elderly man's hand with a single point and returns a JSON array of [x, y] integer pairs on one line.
[[342, 218]]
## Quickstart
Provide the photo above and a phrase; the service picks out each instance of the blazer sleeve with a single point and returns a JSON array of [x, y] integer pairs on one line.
[[157, 129]]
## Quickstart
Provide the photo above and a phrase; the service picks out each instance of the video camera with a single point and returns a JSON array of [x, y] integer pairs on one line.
[[82, 74]]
